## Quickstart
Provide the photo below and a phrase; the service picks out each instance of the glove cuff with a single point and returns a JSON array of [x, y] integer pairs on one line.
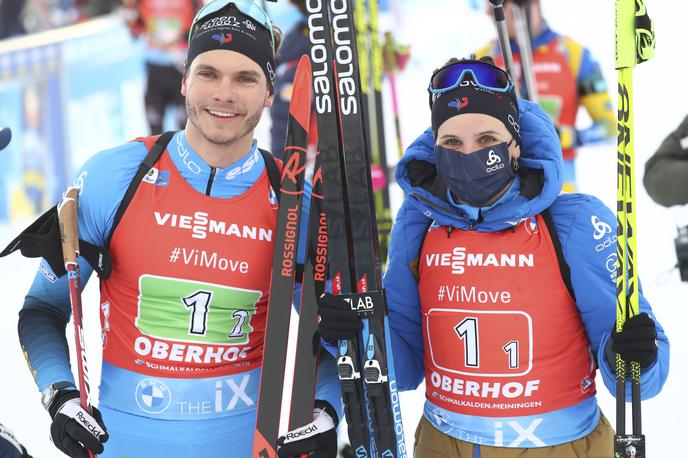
[[327, 407], [61, 397]]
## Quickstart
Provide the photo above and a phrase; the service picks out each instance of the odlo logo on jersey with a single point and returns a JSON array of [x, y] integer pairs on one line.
[[459, 260], [601, 229]]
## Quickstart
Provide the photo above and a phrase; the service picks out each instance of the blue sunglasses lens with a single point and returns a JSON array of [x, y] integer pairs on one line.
[[486, 75]]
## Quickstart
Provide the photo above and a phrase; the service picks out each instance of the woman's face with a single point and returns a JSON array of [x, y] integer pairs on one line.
[[470, 132]]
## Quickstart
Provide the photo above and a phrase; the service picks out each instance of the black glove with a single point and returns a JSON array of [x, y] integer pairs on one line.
[[73, 429], [337, 320], [317, 439], [636, 342]]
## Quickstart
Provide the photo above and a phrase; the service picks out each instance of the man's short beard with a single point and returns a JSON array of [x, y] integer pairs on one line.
[[251, 123]]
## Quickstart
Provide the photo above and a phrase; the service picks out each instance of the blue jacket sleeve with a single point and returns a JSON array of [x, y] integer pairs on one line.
[[403, 301], [102, 181], [328, 384], [587, 232]]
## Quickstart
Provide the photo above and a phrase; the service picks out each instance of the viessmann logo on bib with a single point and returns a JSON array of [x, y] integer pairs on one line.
[[459, 260], [200, 224]]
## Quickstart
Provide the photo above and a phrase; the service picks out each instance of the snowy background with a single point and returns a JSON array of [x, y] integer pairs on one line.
[[437, 30]]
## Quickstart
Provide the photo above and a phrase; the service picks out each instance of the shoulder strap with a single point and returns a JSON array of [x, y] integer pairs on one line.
[[274, 174], [413, 266], [151, 158], [563, 265]]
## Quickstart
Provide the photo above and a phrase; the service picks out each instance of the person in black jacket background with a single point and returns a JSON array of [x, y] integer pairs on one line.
[[666, 172], [294, 45], [666, 181]]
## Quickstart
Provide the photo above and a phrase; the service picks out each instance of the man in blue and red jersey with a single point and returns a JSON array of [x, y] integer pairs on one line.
[[183, 309], [567, 77]]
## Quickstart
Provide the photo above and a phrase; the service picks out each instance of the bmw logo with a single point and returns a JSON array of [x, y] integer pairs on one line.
[[153, 396]]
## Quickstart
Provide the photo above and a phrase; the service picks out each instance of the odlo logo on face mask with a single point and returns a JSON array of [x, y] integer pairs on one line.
[[493, 159]]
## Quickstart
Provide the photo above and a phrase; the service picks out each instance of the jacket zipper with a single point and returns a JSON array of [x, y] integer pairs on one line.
[[210, 180]]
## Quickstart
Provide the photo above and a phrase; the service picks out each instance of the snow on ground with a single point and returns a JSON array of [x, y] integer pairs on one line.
[[438, 30]]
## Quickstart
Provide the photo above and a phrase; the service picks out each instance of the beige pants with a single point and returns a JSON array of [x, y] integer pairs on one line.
[[432, 443]]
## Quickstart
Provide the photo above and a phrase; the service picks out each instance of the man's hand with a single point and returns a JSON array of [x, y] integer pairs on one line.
[[317, 439], [73, 429], [337, 320]]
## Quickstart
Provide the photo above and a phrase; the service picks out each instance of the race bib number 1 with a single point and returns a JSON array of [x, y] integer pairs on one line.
[[190, 311], [480, 343]]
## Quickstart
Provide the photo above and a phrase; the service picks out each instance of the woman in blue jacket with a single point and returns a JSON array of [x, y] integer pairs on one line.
[[501, 291]]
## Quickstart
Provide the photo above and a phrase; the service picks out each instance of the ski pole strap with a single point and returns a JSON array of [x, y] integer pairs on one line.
[[644, 33], [145, 167], [635, 34], [41, 239]]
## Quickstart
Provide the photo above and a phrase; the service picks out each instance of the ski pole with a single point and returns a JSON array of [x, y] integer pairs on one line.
[[504, 43], [390, 60], [69, 236], [521, 20], [635, 43]]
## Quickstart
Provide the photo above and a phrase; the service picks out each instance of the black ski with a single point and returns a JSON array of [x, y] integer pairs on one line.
[[353, 244], [329, 148], [284, 267]]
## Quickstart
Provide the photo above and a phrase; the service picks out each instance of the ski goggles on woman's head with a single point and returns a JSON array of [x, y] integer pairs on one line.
[[482, 74], [248, 7]]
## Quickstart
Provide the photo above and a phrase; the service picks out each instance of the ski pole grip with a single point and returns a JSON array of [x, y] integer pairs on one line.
[[498, 8], [69, 232]]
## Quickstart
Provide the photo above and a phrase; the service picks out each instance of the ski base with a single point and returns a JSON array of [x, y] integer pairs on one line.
[[629, 446]]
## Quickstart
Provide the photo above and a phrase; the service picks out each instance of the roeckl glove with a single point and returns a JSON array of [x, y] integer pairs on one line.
[[73, 429], [317, 439], [337, 320], [636, 342]]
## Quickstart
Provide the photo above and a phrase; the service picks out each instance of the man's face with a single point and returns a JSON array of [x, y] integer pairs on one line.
[[226, 93]]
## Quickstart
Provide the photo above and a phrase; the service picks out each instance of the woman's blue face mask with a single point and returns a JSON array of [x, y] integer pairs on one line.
[[478, 177]]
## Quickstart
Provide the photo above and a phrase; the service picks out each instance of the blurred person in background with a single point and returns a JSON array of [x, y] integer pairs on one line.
[[41, 15], [296, 43], [666, 181], [182, 332], [567, 77], [164, 25], [666, 172], [95, 8], [10, 24]]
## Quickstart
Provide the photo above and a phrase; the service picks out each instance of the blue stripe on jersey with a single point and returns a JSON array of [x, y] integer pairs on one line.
[[527, 431]]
